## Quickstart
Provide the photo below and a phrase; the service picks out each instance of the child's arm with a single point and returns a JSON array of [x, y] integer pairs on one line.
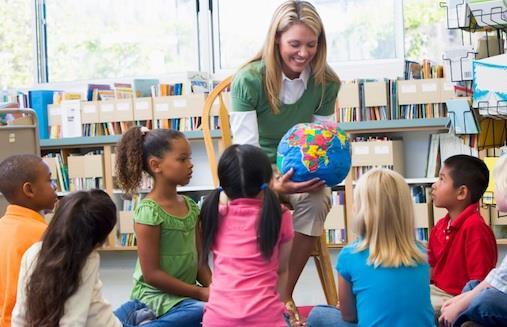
[[453, 307], [148, 239], [204, 272], [283, 268], [347, 300]]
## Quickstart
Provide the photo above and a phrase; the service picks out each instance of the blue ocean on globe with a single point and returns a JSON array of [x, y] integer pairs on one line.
[[315, 150]]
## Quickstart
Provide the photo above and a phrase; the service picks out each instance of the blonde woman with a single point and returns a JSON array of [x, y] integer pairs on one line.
[[485, 302], [383, 278], [286, 83]]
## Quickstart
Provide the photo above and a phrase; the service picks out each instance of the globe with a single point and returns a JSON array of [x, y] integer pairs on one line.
[[315, 150]]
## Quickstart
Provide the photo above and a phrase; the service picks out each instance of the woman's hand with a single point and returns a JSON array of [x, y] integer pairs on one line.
[[284, 185]]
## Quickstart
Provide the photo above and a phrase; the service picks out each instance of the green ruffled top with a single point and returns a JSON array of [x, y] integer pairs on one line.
[[178, 253]]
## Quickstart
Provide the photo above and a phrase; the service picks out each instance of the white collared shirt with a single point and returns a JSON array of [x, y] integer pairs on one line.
[[244, 126], [292, 89]]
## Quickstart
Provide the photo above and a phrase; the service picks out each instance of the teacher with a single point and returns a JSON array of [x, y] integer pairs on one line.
[[286, 83]]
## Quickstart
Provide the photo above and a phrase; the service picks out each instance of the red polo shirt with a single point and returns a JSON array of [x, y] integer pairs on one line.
[[462, 251]]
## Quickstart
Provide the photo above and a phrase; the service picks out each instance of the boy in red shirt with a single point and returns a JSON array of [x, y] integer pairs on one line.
[[25, 181], [461, 246]]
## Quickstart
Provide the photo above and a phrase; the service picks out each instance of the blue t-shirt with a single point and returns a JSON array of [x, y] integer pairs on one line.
[[387, 296]]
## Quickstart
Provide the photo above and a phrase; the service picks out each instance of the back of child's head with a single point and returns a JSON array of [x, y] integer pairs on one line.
[[15, 171], [469, 171], [500, 175], [135, 149], [384, 216], [244, 171], [82, 222]]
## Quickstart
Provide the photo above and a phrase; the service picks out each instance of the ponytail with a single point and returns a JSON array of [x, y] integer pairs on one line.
[[209, 224], [269, 225], [129, 160]]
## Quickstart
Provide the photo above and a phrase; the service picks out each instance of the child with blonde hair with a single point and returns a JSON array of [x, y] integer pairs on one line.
[[383, 277], [485, 302]]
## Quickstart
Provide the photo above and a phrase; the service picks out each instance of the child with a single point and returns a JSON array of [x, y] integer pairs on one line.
[[165, 223], [485, 304], [25, 182], [250, 239], [383, 278], [461, 246], [59, 283]]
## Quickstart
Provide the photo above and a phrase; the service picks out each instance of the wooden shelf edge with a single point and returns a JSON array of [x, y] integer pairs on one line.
[[92, 141], [396, 125], [501, 241], [335, 246], [118, 248]]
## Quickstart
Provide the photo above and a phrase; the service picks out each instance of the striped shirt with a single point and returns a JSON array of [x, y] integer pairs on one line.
[[498, 277]]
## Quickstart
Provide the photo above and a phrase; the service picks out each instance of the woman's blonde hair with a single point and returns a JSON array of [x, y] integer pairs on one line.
[[287, 14], [500, 174], [384, 217]]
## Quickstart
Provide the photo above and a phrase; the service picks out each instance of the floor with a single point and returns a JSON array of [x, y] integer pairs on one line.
[[117, 267]]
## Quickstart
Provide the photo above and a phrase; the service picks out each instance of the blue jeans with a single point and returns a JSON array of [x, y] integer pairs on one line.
[[187, 313], [488, 308], [326, 316]]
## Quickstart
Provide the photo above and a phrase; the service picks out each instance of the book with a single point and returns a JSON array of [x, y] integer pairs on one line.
[[92, 94], [39, 101], [143, 86]]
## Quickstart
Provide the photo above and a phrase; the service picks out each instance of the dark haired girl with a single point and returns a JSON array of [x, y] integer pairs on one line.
[[59, 283], [165, 224], [250, 239]]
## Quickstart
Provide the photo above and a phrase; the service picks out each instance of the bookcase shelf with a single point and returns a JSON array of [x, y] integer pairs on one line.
[[93, 141], [194, 188], [424, 180], [398, 125], [118, 248], [336, 246]]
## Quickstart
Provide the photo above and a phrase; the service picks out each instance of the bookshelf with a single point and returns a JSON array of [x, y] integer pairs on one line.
[[77, 147], [403, 128]]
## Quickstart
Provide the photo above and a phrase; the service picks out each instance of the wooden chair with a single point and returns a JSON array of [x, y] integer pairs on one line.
[[211, 108]]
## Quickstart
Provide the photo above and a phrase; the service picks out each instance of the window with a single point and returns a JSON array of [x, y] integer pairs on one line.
[[426, 32], [16, 44], [359, 30], [356, 30], [110, 38], [240, 29]]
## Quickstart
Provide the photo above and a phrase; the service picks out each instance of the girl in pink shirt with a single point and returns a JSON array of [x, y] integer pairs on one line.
[[250, 239]]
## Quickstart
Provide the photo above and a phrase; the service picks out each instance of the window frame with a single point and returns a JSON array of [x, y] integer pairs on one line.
[[41, 54], [208, 47]]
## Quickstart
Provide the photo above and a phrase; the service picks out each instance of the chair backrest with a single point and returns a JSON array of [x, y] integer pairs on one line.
[[225, 139]]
